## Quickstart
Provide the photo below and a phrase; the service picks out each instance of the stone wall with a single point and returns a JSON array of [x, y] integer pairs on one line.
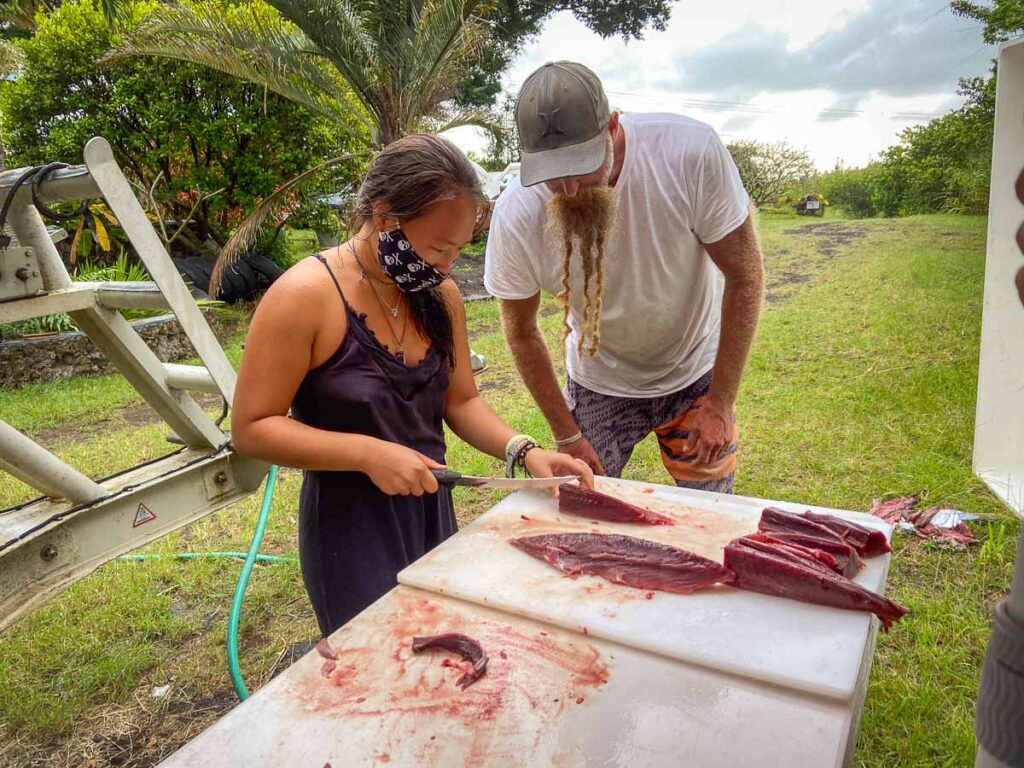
[[62, 356]]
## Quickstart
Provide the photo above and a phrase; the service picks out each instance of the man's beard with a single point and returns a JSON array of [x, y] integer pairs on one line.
[[581, 224]]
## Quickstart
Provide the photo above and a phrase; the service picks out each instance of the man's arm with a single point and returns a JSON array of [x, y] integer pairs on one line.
[[738, 256], [519, 318]]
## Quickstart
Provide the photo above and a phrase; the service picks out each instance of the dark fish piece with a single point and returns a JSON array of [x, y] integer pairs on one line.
[[574, 500], [815, 558], [848, 562], [771, 574], [867, 541], [468, 648], [775, 520], [625, 560]]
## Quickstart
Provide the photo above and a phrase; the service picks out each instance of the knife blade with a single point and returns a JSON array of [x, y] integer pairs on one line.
[[451, 477]]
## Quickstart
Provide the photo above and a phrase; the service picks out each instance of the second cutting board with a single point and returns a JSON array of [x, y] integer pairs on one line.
[[806, 647]]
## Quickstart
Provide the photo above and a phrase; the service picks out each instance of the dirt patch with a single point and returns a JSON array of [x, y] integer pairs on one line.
[[499, 382], [134, 415], [789, 278], [831, 236], [136, 735], [468, 273]]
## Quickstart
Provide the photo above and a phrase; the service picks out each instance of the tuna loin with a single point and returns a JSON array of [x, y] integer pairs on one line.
[[824, 527], [816, 558], [758, 569], [847, 561], [574, 500], [468, 648], [867, 541], [625, 560]]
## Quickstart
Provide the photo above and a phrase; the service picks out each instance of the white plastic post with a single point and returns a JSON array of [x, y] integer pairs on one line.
[[999, 420]]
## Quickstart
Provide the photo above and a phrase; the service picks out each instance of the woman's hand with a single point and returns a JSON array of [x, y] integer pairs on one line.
[[541, 463], [401, 471]]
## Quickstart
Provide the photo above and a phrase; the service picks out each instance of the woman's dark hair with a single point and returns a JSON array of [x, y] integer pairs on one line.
[[410, 175]]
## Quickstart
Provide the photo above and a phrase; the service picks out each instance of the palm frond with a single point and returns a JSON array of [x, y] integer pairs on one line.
[[249, 230], [334, 29], [115, 10], [278, 57], [444, 44], [11, 58]]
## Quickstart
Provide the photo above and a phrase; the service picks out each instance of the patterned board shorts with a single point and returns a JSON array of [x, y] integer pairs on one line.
[[615, 425]]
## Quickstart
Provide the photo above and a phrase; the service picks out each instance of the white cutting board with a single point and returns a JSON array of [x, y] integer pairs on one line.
[[811, 648], [555, 698]]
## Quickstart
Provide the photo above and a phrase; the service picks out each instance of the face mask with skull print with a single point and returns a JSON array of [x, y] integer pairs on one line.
[[403, 265]]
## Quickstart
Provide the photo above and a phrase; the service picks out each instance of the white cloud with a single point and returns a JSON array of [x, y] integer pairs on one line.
[[840, 78]]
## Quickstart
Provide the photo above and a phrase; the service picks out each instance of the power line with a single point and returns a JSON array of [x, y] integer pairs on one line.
[[931, 16], [834, 113]]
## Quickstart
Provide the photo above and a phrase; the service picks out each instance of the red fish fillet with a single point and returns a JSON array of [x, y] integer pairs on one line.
[[574, 500], [775, 520], [814, 557], [468, 648], [848, 562], [625, 560], [769, 573], [867, 541]]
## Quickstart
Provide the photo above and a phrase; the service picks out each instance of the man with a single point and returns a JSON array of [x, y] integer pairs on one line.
[[640, 224]]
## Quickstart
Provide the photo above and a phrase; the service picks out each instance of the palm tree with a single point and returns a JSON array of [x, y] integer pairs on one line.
[[390, 66]]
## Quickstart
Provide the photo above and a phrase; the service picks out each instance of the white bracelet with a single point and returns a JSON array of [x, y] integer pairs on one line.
[[569, 440]]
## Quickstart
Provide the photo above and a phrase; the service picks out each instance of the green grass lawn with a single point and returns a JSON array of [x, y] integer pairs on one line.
[[861, 383]]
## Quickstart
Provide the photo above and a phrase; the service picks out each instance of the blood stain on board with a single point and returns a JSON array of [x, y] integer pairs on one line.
[[376, 676]]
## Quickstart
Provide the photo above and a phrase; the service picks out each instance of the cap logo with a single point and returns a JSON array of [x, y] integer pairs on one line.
[[549, 122]]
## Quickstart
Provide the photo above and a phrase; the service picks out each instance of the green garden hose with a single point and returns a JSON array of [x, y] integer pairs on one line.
[[251, 557], [201, 555], [243, 581]]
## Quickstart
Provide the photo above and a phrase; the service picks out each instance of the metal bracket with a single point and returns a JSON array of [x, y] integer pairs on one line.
[[20, 275]]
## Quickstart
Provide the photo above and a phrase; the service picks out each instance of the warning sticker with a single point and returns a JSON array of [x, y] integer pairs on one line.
[[143, 516]]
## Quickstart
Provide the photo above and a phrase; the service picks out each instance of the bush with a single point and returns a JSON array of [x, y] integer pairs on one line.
[[851, 190], [200, 131]]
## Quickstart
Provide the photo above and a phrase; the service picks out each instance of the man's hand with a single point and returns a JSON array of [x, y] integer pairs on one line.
[[712, 433], [583, 450]]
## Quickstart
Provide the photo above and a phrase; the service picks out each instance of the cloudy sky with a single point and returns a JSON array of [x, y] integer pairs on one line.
[[839, 78]]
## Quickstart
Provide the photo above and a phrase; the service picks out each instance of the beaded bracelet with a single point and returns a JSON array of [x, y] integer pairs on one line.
[[515, 454]]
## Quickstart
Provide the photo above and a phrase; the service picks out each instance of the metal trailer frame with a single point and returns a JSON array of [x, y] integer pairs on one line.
[[81, 523]]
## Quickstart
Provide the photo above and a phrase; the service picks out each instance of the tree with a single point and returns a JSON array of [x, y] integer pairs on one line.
[[850, 189], [503, 139], [512, 23], [11, 60], [393, 66], [944, 165], [1003, 19], [769, 170], [198, 138]]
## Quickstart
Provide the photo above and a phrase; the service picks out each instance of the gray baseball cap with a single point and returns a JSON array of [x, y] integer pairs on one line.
[[562, 115]]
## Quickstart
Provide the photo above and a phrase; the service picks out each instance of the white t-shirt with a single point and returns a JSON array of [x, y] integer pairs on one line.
[[678, 187]]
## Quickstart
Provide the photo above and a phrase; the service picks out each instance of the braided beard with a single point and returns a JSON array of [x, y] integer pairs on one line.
[[581, 224]]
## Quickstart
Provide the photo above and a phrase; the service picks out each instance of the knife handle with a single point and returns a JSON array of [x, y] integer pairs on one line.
[[446, 476]]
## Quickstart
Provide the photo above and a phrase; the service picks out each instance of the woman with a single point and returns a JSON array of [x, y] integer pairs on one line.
[[367, 345]]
